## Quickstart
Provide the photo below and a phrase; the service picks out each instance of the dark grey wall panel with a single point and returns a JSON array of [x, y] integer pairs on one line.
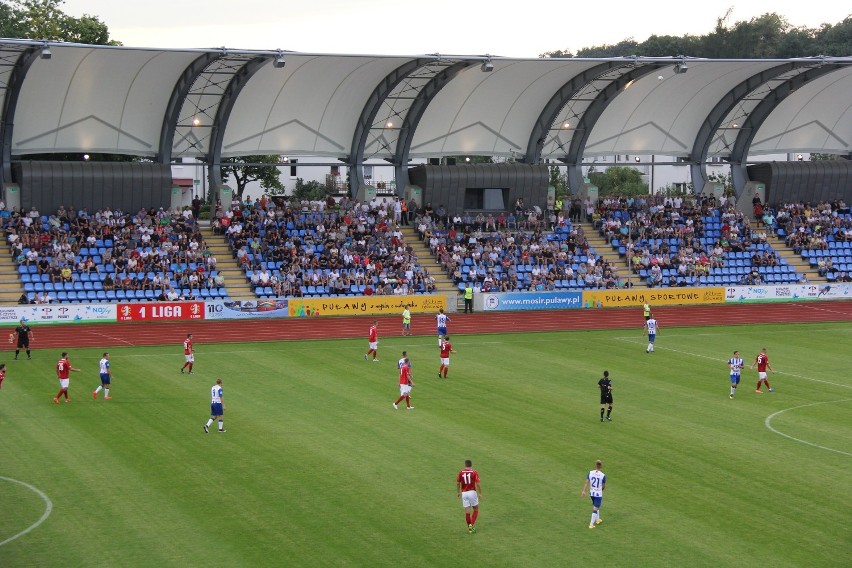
[[810, 182], [447, 184], [125, 186]]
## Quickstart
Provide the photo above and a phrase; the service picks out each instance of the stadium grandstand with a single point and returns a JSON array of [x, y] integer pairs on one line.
[[91, 231]]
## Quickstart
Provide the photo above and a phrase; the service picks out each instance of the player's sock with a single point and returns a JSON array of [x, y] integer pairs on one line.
[[767, 384], [758, 385], [60, 394], [221, 425], [602, 413], [400, 399], [608, 412], [65, 391], [106, 393], [407, 400], [16, 353], [467, 519], [473, 517], [28, 353], [209, 422], [190, 367], [592, 522], [445, 373], [732, 391], [97, 390]]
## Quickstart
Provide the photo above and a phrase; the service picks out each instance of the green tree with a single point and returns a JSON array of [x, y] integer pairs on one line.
[[310, 191], [560, 182], [619, 180], [766, 36], [472, 159], [246, 169], [44, 19], [725, 179], [820, 157]]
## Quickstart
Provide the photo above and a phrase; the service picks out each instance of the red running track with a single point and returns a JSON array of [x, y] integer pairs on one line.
[[230, 331]]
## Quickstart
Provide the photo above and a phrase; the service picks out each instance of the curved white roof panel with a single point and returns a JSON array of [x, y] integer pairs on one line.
[[663, 116], [117, 100], [492, 113], [816, 118], [309, 107], [96, 100]]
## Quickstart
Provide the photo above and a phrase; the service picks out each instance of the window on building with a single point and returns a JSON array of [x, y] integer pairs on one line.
[[293, 168]]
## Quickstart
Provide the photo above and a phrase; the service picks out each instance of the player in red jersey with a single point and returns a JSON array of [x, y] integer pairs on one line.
[[374, 342], [188, 353], [63, 370], [762, 362], [467, 486], [2, 374], [405, 384], [446, 349]]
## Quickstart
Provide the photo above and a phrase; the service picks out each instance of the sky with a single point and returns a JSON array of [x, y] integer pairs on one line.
[[410, 27]]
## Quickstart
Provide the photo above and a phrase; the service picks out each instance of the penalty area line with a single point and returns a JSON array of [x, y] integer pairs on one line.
[[768, 424], [48, 507]]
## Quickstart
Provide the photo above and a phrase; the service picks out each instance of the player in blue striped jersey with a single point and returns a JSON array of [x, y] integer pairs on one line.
[[217, 407], [652, 327], [736, 365], [442, 319], [106, 378], [596, 483]]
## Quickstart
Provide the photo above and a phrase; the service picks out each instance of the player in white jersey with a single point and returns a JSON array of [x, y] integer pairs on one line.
[[106, 378], [217, 407], [402, 360], [442, 320], [596, 483], [652, 327], [736, 365]]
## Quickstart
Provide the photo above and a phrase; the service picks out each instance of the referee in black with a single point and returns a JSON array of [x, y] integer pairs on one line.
[[24, 333], [606, 395]]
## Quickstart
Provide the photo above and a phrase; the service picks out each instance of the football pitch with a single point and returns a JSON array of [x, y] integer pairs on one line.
[[317, 469]]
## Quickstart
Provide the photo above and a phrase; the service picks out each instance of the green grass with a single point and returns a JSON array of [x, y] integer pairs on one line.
[[317, 469]]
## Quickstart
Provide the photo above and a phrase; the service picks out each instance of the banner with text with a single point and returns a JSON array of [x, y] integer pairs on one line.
[[788, 293], [531, 301], [58, 313], [364, 305], [160, 311], [238, 309], [653, 297]]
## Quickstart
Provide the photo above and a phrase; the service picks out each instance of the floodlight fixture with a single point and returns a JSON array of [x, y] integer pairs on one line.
[[681, 67], [279, 62], [487, 66], [45, 51]]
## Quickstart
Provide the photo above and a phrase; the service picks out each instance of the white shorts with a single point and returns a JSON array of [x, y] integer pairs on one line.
[[63, 383], [374, 345], [761, 376], [445, 361], [404, 390], [470, 499], [190, 358]]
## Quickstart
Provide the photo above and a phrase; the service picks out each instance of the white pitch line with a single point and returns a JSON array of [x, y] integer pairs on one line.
[[699, 355], [48, 507], [768, 423]]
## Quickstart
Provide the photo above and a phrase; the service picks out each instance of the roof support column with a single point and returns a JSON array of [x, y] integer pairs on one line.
[[10, 104]]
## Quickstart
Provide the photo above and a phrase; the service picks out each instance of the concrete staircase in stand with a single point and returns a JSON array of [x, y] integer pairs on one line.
[[235, 279], [610, 255], [443, 283], [796, 261], [10, 283]]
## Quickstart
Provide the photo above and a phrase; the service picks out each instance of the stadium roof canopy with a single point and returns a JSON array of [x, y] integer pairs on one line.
[[214, 103]]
